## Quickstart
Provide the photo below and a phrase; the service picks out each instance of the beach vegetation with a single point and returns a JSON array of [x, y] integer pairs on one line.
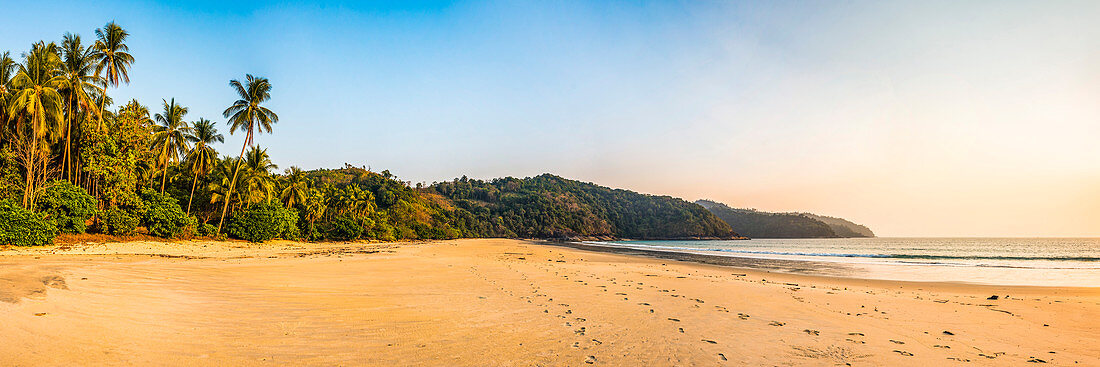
[[68, 205], [264, 221], [23, 227]]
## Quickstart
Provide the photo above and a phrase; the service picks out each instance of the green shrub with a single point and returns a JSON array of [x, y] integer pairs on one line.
[[343, 228], [67, 204], [204, 229], [22, 227], [118, 221], [263, 222], [163, 216]]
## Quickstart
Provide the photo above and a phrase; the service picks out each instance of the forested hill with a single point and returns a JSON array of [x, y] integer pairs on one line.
[[843, 227], [551, 206], [757, 224]]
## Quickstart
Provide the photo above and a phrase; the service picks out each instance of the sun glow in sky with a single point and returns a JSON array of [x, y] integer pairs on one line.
[[915, 118]]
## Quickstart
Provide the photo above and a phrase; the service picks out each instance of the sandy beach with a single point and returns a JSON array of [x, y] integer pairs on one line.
[[505, 303]]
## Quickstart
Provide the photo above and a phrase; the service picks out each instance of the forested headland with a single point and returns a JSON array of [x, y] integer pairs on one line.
[[73, 160], [758, 224]]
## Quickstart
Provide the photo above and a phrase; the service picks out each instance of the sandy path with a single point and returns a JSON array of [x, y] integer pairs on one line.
[[503, 302]]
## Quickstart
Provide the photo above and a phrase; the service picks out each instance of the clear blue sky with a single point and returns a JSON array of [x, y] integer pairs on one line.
[[915, 118]]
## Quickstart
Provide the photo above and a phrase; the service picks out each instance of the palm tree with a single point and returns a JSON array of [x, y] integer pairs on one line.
[[259, 186], [170, 135], [248, 115], [80, 87], [112, 55], [7, 69], [314, 207], [37, 99], [202, 155], [221, 185], [296, 188]]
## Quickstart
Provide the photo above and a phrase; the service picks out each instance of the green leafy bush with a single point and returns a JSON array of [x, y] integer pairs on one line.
[[262, 222], [344, 228], [118, 221], [22, 227], [204, 229], [68, 205], [163, 216]]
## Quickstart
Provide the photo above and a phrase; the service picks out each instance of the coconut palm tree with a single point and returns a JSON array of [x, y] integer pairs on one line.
[[170, 135], [221, 185], [314, 208], [7, 71], [259, 186], [248, 115], [80, 88], [37, 99], [296, 189], [202, 157], [112, 56]]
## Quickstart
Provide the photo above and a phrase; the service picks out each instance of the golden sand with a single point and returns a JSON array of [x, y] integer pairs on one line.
[[503, 302]]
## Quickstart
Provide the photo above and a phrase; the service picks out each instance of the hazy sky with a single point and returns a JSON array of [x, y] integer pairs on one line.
[[915, 118]]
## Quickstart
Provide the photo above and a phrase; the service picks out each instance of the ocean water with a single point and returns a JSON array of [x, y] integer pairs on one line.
[[1000, 261]]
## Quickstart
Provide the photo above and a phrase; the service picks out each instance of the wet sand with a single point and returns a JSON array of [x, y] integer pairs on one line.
[[503, 302]]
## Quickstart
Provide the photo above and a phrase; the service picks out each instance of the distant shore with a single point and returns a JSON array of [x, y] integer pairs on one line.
[[503, 302]]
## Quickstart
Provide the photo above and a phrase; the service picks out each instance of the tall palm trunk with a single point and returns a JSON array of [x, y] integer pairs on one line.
[[193, 182], [30, 175], [65, 171], [164, 177], [232, 184]]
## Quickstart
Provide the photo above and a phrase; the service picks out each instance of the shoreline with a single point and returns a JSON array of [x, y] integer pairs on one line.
[[502, 302], [916, 273]]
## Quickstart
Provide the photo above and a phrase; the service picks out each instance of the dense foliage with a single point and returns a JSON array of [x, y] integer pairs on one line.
[[344, 228], [67, 205], [22, 227], [262, 222], [551, 206], [118, 221], [162, 215], [757, 224]]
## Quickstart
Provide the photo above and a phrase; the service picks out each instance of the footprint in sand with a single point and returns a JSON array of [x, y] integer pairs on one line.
[[904, 353], [811, 332], [777, 323], [672, 319], [681, 330], [899, 342], [742, 316], [710, 341], [590, 360], [722, 356]]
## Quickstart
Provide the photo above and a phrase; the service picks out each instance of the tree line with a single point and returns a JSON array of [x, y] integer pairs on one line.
[[72, 160]]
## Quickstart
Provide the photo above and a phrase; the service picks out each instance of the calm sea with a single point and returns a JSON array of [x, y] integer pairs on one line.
[[1002, 261]]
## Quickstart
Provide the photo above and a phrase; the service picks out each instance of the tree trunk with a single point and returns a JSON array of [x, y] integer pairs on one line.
[[65, 171], [193, 182], [164, 177], [232, 184]]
